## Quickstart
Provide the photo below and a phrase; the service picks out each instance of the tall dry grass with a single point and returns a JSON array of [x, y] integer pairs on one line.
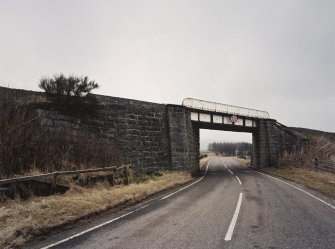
[[321, 146], [25, 145], [22, 220], [318, 180]]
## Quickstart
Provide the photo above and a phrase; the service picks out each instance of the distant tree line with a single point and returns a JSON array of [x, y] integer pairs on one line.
[[230, 149]]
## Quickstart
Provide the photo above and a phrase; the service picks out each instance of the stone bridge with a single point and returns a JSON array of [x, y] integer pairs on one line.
[[270, 138], [167, 136]]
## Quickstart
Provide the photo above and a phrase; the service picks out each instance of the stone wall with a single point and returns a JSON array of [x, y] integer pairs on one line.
[[270, 141], [138, 128], [158, 135], [148, 134], [184, 138]]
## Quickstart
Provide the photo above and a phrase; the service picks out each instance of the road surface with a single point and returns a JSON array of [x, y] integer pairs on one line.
[[230, 207]]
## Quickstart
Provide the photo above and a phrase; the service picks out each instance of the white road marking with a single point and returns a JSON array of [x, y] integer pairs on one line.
[[117, 218], [227, 167], [307, 193], [165, 197], [230, 231], [230, 171], [238, 180], [92, 228]]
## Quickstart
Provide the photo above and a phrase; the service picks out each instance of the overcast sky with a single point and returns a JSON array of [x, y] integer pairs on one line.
[[277, 56]]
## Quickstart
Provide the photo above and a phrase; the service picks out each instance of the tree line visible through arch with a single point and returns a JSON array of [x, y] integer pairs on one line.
[[231, 148]]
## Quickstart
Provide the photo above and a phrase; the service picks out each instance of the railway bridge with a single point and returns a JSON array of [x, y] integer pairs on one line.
[[270, 138], [163, 135]]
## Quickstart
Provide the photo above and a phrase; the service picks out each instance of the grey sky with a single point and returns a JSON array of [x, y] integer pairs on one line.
[[277, 56]]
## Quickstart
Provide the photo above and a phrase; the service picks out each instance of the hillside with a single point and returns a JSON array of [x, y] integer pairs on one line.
[[321, 145]]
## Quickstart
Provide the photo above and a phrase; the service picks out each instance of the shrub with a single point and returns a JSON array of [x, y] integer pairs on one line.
[[25, 144], [70, 94], [19, 132]]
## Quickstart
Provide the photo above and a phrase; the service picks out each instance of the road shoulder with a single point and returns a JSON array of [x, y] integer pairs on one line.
[[328, 196], [51, 210]]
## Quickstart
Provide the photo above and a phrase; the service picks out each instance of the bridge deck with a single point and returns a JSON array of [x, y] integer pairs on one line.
[[206, 112], [198, 104]]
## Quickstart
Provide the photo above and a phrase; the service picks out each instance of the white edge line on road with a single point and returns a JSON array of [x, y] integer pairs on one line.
[[307, 193], [92, 228], [227, 167], [117, 218], [165, 197], [230, 172], [230, 231], [239, 181]]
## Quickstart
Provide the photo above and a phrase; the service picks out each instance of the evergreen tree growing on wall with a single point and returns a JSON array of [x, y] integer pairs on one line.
[[70, 94]]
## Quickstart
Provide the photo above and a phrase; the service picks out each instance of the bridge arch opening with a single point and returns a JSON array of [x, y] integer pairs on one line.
[[225, 143], [208, 137], [269, 138], [216, 116]]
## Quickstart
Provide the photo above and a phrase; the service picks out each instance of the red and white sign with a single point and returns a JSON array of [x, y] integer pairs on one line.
[[233, 119]]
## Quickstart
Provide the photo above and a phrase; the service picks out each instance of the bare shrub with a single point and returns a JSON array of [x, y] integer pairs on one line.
[[19, 132], [320, 146], [66, 151], [25, 145]]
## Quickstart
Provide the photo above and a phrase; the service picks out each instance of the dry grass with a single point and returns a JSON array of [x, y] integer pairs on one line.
[[243, 161], [321, 145], [319, 180], [203, 163], [28, 141], [315, 179], [21, 220]]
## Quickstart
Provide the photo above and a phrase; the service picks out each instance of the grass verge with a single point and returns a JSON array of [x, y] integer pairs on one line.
[[22, 220], [246, 162], [319, 180], [203, 164]]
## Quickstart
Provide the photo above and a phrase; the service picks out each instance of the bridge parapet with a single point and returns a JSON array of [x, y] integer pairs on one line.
[[198, 104]]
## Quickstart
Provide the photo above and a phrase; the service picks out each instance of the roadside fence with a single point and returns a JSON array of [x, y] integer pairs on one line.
[[115, 175]]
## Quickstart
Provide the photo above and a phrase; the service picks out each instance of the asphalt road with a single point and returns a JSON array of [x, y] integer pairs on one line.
[[231, 207]]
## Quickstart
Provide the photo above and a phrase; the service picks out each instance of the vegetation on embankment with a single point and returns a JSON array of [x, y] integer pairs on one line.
[[205, 156], [22, 220], [319, 180], [320, 147], [26, 145], [299, 165], [244, 161]]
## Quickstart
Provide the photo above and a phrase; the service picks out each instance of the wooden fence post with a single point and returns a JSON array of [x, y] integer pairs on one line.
[[126, 174], [113, 176], [54, 182]]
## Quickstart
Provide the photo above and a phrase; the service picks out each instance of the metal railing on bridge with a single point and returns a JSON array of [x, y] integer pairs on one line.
[[223, 108]]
